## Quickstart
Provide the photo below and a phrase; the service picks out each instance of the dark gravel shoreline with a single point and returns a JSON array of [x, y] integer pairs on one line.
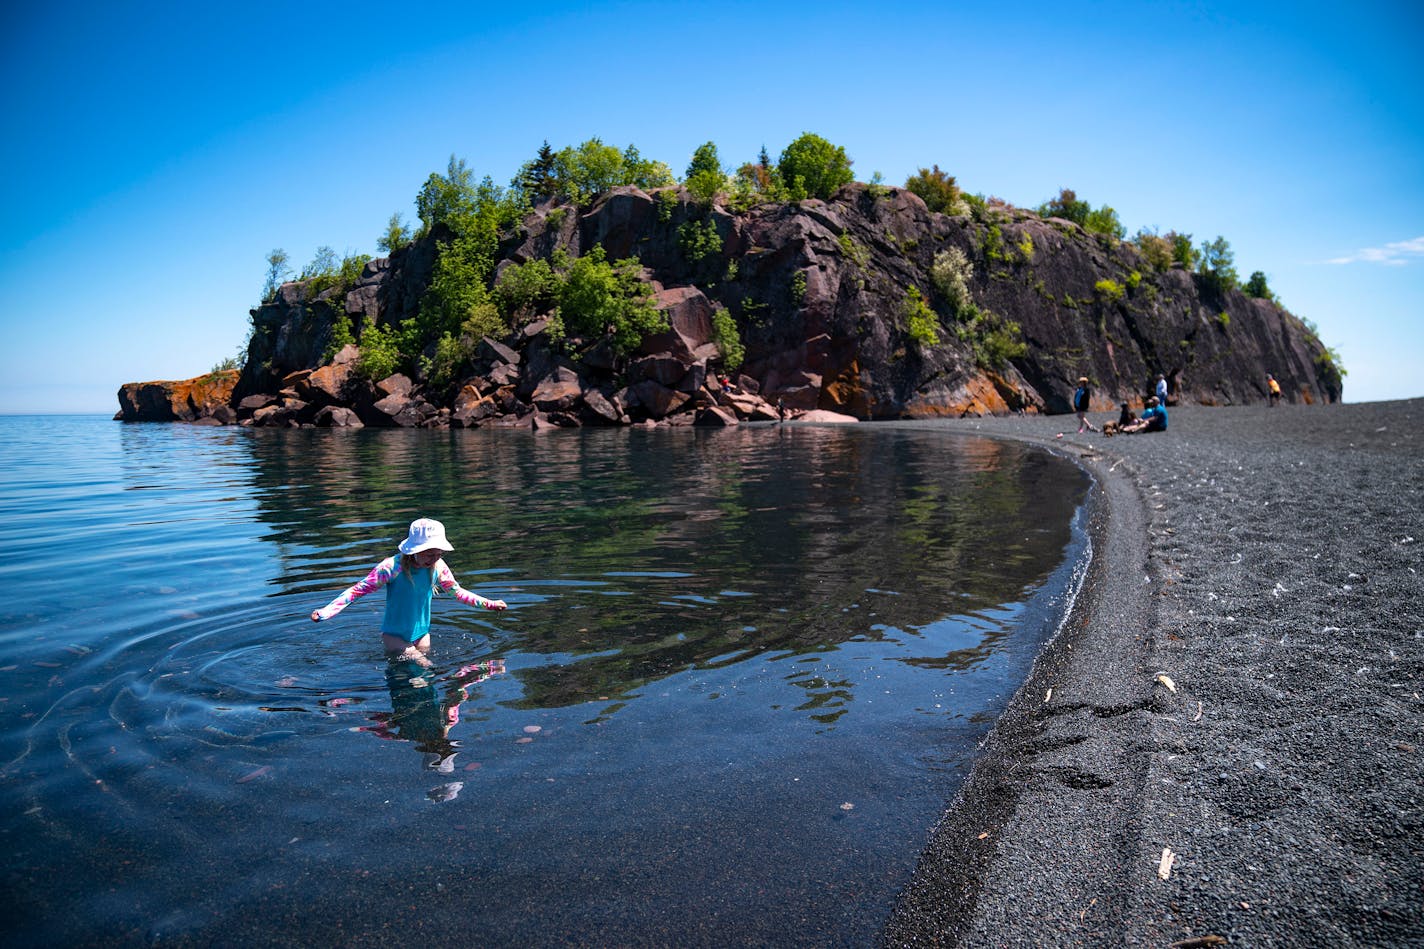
[[1268, 563]]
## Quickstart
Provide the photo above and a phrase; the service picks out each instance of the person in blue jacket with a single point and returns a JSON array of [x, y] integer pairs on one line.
[[1082, 397], [1154, 419]]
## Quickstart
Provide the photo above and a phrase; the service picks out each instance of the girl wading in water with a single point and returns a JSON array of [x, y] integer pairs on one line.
[[410, 579]]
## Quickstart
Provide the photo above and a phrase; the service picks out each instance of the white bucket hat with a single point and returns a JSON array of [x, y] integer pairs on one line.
[[425, 534]]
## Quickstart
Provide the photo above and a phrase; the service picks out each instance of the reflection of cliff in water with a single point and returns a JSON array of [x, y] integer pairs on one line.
[[682, 548]]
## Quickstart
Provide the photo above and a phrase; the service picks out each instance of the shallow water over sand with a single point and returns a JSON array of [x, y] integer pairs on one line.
[[744, 671]]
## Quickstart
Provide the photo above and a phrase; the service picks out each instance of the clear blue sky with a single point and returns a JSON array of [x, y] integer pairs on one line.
[[155, 152]]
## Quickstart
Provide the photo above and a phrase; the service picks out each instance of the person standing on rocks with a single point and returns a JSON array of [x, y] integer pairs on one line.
[[1082, 396], [1273, 393], [1161, 389]]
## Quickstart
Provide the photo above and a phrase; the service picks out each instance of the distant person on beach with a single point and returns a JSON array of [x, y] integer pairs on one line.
[[1273, 389], [1082, 396], [411, 579], [1162, 389], [1154, 419], [781, 410]]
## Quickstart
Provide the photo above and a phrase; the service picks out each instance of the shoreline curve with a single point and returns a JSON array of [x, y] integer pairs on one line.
[[1224, 744]]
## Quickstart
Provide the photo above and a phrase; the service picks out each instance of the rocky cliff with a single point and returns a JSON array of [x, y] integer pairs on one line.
[[822, 294]]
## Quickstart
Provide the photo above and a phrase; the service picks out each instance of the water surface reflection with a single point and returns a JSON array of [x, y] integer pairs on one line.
[[741, 672]]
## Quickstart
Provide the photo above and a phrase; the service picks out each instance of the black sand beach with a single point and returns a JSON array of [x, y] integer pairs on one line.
[[1234, 703]]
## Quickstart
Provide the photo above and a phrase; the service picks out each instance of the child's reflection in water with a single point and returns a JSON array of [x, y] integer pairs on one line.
[[423, 715]]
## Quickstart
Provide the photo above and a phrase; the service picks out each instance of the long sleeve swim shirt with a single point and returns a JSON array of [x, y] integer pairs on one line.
[[408, 595]]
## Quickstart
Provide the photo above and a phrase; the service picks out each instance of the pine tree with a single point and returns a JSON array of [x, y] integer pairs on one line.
[[539, 178]]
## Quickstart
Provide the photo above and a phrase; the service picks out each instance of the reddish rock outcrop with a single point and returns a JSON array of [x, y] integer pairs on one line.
[[186, 400]]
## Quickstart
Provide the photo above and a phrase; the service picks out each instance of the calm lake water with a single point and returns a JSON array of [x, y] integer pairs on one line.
[[746, 669]]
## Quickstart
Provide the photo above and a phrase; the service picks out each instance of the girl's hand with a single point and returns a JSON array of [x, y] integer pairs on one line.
[[496, 605]]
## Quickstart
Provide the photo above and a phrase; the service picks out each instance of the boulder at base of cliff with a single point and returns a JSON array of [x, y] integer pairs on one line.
[[185, 400], [689, 316], [336, 416], [715, 417], [750, 407]]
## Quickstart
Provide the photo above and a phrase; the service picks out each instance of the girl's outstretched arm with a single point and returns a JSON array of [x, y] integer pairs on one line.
[[379, 576], [446, 581]]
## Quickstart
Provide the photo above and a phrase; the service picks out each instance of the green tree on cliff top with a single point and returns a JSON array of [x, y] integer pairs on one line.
[[815, 165], [704, 174], [538, 178], [580, 174], [1218, 264], [446, 199], [1070, 207], [1257, 287], [397, 235], [645, 173], [277, 269]]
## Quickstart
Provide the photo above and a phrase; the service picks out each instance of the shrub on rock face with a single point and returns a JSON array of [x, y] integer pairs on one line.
[[1104, 220], [996, 340], [920, 320], [599, 298], [457, 288], [699, 240], [728, 340], [380, 356], [524, 290], [1069, 207], [1155, 250], [938, 190], [950, 274]]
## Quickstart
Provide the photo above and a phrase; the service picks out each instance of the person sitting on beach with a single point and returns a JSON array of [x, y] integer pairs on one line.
[[405, 628], [1124, 419], [1154, 419]]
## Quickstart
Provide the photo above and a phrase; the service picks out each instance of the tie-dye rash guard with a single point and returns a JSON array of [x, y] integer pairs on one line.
[[407, 610]]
